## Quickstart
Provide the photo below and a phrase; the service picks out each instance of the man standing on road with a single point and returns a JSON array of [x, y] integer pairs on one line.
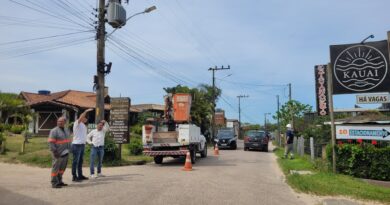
[[289, 142], [59, 144], [78, 146], [96, 139]]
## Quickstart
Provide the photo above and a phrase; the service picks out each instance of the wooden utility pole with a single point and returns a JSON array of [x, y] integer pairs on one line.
[[100, 37], [214, 97], [331, 115], [277, 115], [291, 109], [239, 112]]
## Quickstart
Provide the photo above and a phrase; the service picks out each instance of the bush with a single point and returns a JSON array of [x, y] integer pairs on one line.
[[5, 127], [135, 146], [137, 129], [17, 129], [111, 151], [2, 140], [363, 161]]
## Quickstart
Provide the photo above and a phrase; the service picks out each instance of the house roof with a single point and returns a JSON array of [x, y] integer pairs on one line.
[[78, 99], [142, 107], [75, 98]]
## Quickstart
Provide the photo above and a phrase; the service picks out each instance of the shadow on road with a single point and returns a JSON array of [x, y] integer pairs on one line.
[[209, 161], [104, 180], [9, 197]]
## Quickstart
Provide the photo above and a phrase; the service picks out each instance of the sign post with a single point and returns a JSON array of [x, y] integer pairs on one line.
[[119, 119], [331, 115]]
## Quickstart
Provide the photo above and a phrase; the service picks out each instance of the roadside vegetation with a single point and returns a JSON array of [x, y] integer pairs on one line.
[[325, 183], [359, 160]]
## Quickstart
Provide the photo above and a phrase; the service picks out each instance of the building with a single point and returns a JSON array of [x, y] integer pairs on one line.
[[49, 106], [220, 119]]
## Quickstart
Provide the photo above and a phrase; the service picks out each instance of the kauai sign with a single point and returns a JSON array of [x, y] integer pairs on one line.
[[360, 68]]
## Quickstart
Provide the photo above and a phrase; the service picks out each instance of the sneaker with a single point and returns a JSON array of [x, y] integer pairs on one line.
[[83, 177], [63, 184], [93, 176], [100, 175]]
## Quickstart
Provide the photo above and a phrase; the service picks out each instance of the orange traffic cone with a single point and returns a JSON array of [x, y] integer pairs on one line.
[[188, 164], [216, 150]]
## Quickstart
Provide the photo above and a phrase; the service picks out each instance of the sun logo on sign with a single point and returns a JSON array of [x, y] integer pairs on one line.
[[360, 68]]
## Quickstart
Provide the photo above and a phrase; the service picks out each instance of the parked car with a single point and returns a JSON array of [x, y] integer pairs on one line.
[[256, 139], [226, 138]]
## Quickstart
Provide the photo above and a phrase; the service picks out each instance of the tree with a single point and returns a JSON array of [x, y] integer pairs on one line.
[[11, 106], [292, 108], [202, 103]]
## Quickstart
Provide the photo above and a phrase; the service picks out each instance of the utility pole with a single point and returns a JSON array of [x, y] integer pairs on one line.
[[277, 115], [265, 121], [99, 79], [214, 97], [239, 112], [291, 109]]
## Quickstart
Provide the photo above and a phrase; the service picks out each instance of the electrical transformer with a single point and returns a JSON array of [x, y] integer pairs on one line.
[[116, 15]]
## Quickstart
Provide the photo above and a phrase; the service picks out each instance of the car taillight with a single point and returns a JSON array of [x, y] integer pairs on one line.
[[246, 139]]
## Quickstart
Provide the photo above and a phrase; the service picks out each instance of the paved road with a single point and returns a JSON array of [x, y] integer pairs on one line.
[[234, 177]]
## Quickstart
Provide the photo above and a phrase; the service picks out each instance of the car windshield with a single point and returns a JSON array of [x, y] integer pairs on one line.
[[225, 134], [255, 134]]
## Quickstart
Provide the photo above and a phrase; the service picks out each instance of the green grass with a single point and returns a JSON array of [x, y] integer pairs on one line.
[[325, 183], [37, 154]]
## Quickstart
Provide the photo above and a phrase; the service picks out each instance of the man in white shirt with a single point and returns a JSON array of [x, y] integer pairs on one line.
[[96, 139], [78, 146]]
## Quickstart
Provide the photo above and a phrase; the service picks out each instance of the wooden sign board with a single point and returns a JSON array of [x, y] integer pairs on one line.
[[119, 120]]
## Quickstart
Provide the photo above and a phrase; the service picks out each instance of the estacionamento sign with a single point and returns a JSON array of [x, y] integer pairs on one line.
[[363, 132]]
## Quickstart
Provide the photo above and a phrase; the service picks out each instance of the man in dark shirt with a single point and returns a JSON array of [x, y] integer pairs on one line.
[[289, 142]]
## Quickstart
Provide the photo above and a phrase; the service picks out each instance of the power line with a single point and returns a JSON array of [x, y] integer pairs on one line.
[[58, 46], [128, 51], [41, 38], [42, 10]]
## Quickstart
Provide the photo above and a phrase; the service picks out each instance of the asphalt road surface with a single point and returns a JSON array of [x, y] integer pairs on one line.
[[234, 177]]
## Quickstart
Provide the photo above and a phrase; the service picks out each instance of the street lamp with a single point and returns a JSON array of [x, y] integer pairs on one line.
[[265, 121], [147, 10]]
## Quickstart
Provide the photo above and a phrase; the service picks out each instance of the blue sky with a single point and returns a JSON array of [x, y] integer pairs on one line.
[[264, 42]]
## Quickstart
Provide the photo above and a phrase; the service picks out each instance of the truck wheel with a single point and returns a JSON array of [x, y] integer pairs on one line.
[[203, 154], [193, 156], [158, 159]]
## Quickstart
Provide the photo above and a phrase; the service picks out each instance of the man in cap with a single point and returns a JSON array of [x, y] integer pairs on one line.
[[289, 142], [59, 144]]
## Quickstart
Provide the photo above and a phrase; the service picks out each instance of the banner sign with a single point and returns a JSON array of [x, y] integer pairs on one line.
[[119, 120], [321, 89], [373, 99], [367, 132], [360, 68]]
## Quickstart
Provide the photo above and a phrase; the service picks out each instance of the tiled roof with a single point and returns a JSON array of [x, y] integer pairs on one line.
[[143, 107], [70, 97]]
